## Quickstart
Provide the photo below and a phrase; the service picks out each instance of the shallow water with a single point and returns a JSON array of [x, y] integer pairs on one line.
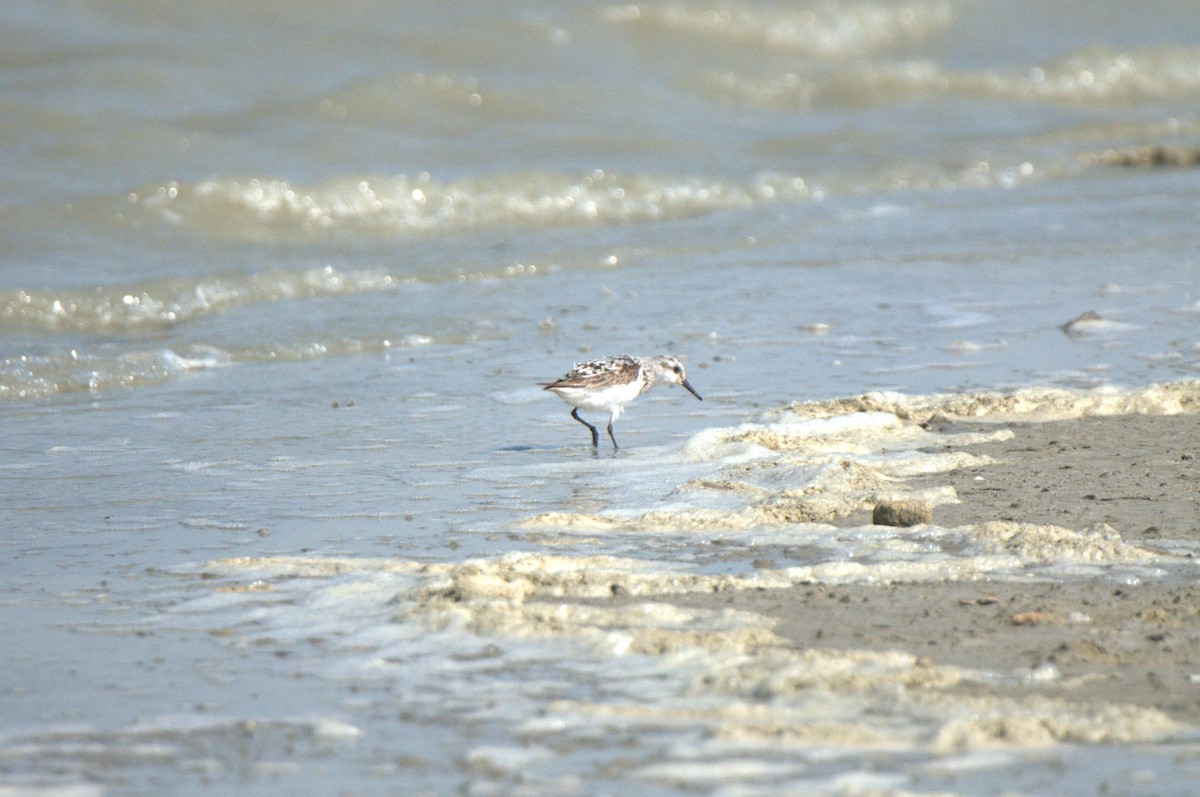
[[280, 284]]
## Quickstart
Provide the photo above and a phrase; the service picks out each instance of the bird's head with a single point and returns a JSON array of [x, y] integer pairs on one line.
[[670, 371]]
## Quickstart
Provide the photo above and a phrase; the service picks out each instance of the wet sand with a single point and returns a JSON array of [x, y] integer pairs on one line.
[[1109, 642], [1139, 474]]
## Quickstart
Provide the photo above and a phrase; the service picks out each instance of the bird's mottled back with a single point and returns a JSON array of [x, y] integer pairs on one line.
[[607, 371]]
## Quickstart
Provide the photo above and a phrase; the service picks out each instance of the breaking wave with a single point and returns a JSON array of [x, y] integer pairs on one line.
[[112, 309], [260, 209], [828, 30], [1094, 77]]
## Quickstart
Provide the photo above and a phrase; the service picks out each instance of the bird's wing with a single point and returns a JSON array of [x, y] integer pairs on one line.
[[600, 373]]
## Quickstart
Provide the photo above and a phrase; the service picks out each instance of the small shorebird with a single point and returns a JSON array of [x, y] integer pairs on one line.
[[612, 382]]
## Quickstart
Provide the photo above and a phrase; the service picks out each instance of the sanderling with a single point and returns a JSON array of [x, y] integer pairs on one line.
[[612, 382]]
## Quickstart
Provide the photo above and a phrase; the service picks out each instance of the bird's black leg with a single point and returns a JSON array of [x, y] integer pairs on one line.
[[595, 434], [610, 436]]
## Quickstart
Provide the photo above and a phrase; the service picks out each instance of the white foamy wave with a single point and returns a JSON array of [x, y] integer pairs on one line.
[[1035, 403], [414, 625], [170, 302], [1102, 76], [27, 377], [31, 377], [788, 477], [758, 481], [212, 745], [262, 209], [1091, 77], [830, 29]]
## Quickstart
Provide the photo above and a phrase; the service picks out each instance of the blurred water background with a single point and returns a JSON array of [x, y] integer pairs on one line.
[[280, 279]]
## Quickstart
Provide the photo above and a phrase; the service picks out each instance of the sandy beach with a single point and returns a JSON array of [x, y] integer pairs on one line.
[[1090, 642]]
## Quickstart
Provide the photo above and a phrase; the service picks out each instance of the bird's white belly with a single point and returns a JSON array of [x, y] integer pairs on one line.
[[609, 399]]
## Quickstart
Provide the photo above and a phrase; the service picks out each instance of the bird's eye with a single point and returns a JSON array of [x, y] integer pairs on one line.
[[678, 369]]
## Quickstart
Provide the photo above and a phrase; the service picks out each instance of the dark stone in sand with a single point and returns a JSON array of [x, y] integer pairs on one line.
[[1075, 326], [902, 513]]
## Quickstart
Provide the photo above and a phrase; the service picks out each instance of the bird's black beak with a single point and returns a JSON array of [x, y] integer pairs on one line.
[[691, 389]]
